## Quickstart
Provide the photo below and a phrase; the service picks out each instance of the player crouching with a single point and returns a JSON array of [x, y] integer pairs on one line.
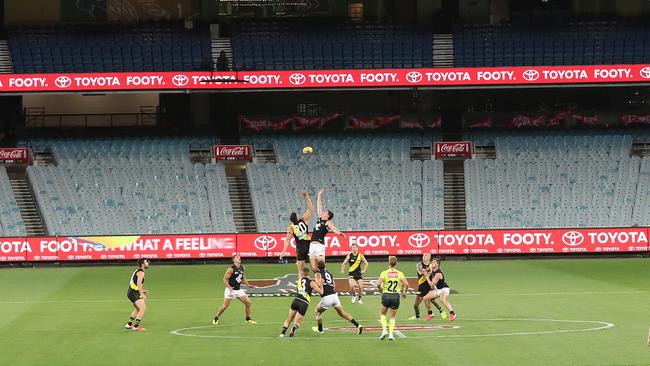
[[299, 305], [329, 298]]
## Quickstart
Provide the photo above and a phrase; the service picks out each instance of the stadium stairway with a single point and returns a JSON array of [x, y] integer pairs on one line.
[[6, 61], [27, 204], [218, 45], [240, 199], [454, 186], [443, 50]]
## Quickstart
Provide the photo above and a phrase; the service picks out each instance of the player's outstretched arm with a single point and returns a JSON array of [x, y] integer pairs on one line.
[[319, 201], [287, 240], [335, 230], [380, 282], [405, 287], [140, 279], [314, 286], [434, 281], [364, 266], [310, 206], [345, 261], [245, 282]]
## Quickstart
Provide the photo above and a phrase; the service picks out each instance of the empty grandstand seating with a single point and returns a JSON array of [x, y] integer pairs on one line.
[[370, 181], [545, 180], [581, 43], [129, 186], [150, 47], [294, 44], [11, 222]]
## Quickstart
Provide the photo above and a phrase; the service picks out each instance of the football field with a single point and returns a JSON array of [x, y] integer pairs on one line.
[[510, 312]]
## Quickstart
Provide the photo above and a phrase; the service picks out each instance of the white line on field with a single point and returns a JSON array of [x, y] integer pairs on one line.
[[283, 297], [601, 325], [399, 334]]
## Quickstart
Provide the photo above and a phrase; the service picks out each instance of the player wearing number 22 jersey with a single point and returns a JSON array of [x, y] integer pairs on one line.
[[329, 298], [233, 278], [392, 283]]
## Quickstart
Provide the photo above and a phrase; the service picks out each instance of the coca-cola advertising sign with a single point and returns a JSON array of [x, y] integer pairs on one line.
[[233, 152], [370, 243], [16, 155], [447, 149]]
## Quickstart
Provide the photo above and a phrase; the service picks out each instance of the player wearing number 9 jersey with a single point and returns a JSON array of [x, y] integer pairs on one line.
[[329, 298], [392, 283], [233, 278]]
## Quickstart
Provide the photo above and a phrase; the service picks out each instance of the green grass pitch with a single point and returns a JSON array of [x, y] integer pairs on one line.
[[74, 316]]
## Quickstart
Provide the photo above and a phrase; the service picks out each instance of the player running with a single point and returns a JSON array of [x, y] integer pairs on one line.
[[357, 267], [138, 296], [233, 278], [300, 232], [439, 287], [299, 305], [323, 226], [329, 298], [423, 289], [391, 283]]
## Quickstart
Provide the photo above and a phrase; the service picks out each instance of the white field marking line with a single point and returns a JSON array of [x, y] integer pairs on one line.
[[284, 297], [399, 334], [603, 325]]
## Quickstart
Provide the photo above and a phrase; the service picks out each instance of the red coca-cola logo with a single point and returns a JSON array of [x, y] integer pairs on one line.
[[460, 147], [233, 150], [13, 154]]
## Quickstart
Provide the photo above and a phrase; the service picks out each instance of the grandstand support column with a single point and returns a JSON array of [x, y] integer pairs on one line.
[[240, 198], [454, 201], [26, 201]]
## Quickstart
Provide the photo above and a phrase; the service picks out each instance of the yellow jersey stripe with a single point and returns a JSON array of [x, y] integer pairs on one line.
[[356, 263]]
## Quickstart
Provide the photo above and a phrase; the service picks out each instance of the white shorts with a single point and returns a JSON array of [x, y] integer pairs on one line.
[[316, 249], [329, 300], [233, 294], [444, 290]]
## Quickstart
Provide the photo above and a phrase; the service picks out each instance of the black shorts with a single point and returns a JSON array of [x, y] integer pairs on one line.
[[302, 250], [356, 275], [390, 301], [133, 295], [423, 289], [299, 306]]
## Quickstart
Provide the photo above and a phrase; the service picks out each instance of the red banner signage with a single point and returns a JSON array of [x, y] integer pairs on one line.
[[468, 242], [299, 79], [233, 152], [447, 149], [16, 155]]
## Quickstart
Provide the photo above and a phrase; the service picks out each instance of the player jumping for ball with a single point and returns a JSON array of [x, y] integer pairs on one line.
[[300, 232], [439, 288], [233, 278], [306, 289], [330, 298], [323, 226]]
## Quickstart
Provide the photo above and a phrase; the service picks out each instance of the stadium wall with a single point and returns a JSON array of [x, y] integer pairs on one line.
[[261, 245]]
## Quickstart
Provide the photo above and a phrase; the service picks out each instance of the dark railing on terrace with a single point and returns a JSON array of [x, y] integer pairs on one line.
[[36, 117]]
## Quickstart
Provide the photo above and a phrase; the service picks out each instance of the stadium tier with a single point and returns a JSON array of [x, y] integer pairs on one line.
[[295, 44], [583, 43], [11, 222], [371, 182], [130, 186], [151, 47]]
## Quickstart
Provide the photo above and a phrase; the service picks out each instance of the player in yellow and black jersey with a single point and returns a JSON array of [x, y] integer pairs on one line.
[[357, 267], [392, 283], [137, 295], [423, 289], [299, 232], [306, 289]]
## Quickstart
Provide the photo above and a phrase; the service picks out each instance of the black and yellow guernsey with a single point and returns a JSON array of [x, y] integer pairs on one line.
[[304, 290], [355, 264]]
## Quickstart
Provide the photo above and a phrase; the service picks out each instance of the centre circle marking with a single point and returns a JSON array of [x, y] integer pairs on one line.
[[595, 325]]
